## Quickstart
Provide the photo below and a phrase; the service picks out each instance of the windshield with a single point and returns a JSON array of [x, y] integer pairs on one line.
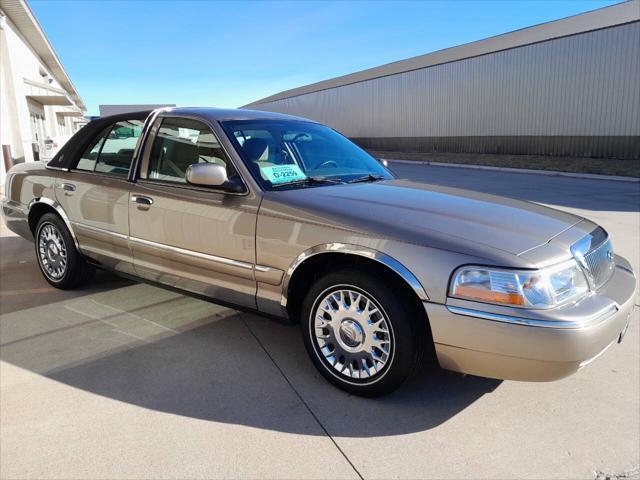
[[295, 154]]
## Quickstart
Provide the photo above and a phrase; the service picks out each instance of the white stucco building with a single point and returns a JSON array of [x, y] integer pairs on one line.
[[37, 99]]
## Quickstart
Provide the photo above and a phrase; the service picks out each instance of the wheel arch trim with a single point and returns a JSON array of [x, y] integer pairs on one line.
[[356, 250], [59, 210]]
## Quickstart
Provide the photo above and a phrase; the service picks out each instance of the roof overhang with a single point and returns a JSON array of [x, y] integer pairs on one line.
[[69, 114], [22, 17], [618, 14], [46, 94], [51, 99]]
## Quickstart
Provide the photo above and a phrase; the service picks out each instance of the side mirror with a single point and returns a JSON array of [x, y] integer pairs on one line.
[[213, 175], [206, 174]]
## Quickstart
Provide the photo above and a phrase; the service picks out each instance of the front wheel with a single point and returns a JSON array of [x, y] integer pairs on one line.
[[359, 333]]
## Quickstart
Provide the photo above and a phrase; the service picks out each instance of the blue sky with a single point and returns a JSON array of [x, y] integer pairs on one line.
[[227, 54]]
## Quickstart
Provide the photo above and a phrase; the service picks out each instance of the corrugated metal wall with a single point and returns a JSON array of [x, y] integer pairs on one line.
[[577, 95]]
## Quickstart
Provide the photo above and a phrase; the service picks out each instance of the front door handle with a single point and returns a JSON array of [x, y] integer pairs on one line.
[[142, 200], [68, 187]]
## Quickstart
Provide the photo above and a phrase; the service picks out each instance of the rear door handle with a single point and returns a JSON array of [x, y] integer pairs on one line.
[[68, 187], [142, 200]]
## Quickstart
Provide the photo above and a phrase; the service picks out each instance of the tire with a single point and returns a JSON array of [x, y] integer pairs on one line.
[[367, 349], [59, 261]]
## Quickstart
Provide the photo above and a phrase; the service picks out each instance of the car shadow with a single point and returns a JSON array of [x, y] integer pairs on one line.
[[215, 372], [22, 286], [166, 352]]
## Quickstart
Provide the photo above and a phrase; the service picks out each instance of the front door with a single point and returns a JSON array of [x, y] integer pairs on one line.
[[95, 195], [193, 238]]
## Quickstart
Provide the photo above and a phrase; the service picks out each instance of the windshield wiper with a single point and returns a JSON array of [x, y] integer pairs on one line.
[[309, 181], [370, 177]]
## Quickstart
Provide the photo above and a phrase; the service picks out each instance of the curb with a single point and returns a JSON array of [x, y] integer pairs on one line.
[[552, 173]]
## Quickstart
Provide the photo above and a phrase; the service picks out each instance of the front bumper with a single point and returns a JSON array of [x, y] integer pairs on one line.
[[532, 345]]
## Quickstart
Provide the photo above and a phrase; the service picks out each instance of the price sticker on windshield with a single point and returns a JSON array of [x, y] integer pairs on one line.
[[283, 173]]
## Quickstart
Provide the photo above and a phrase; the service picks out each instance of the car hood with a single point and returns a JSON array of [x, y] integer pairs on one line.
[[426, 214]]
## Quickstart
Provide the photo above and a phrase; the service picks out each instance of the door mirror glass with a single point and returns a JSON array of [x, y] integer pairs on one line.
[[207, 175]]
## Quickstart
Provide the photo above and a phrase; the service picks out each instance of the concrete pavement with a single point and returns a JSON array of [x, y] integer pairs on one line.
[[124, 380]]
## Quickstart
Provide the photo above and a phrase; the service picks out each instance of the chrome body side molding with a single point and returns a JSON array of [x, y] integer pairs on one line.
[[358, 250], [204, 256], [262, 269], [91, 228]]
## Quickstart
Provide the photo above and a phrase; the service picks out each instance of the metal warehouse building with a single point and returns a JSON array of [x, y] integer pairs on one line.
[[569, 87]]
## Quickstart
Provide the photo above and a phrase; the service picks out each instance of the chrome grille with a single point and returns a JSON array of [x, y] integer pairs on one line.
[[595, 255]]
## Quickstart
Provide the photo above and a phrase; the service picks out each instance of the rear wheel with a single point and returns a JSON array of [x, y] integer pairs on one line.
[[359, 333], [59, 261]]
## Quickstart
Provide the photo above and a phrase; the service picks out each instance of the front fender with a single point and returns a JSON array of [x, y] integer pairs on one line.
[[357, 250]]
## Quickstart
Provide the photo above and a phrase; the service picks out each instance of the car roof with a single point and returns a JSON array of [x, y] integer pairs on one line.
[[227, 114], [77, 144]]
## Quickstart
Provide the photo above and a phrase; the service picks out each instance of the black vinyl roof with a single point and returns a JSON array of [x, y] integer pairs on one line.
[[80, 141]]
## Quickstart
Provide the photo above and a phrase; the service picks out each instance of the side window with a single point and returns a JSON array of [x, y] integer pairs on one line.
[[117, 151], [90, 156], [181, 142]]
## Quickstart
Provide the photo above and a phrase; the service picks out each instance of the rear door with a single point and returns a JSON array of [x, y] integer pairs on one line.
[[95, 195], [198, 239]]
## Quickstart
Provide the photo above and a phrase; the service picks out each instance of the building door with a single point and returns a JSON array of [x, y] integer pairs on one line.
[[38, 135]]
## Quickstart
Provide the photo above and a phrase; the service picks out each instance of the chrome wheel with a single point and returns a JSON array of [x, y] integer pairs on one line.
[[52, 252], [352, 333]]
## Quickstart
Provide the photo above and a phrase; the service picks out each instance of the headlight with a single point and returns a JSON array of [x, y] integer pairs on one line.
[[543, 288]]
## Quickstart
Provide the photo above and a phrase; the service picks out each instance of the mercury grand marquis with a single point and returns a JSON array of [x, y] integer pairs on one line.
[[286, 217]]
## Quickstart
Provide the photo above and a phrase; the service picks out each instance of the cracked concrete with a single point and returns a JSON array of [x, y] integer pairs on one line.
[[633, 474]]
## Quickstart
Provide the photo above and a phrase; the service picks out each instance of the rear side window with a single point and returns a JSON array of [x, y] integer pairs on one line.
[[181, 142], [88, 160], [117, 151], [112, 151]]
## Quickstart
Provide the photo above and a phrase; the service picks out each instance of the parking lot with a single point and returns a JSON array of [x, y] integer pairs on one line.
[[124, 380]]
